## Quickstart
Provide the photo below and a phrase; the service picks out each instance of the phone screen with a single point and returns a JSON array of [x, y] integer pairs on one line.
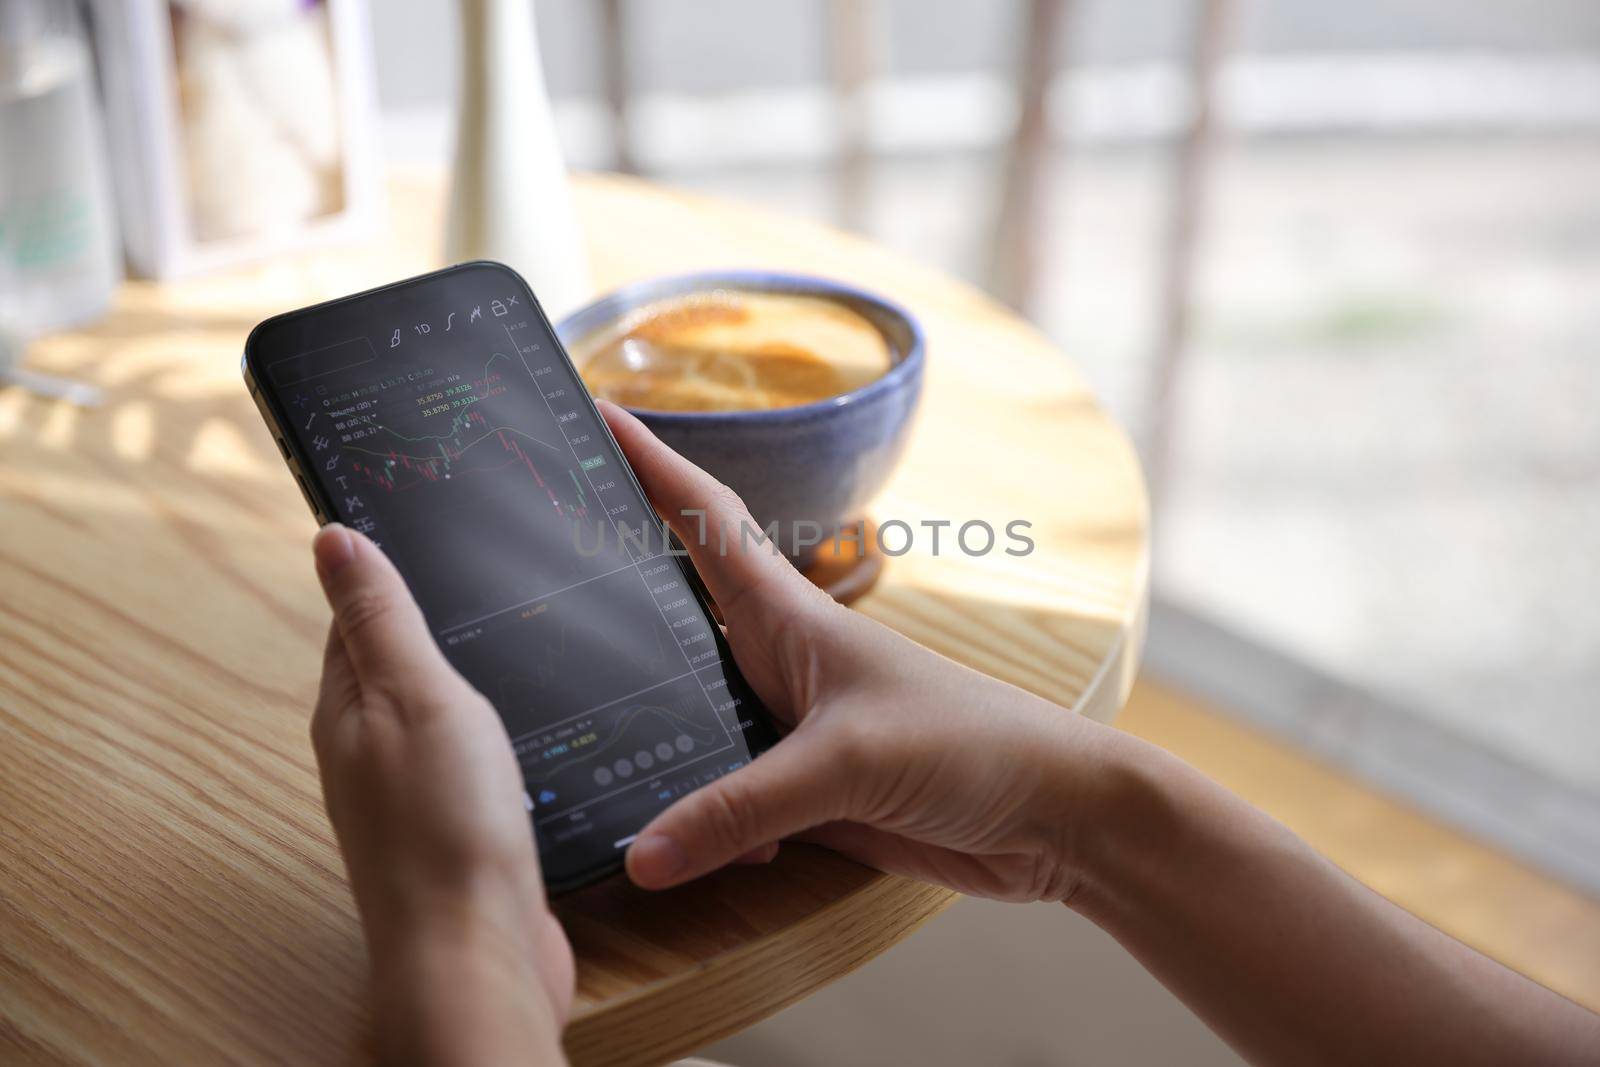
[[441, 417]]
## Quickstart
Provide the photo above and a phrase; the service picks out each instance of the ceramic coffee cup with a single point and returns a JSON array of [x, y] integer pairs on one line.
[[808, 468]]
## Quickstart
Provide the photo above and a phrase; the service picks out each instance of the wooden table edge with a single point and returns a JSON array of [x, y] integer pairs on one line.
[[678, 1014], [1101, 701]]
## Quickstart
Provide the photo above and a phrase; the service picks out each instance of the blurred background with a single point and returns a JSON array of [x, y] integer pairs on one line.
[[1334, 267]]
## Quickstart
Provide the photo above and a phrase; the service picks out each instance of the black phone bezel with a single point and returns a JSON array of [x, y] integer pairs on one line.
[[322, 507]]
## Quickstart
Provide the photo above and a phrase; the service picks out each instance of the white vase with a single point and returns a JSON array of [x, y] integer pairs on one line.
[[510, 199]]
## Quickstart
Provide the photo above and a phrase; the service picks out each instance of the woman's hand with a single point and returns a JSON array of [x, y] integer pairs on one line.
[[897, 757], [426, 798], [915, 765]]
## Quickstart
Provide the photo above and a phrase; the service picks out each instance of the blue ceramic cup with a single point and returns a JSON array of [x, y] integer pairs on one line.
[[810, 469]]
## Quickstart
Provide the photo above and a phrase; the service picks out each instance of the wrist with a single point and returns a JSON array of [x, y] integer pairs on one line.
[[460, 984], [464, 903], [1110, 788], [1060, 764], [1142, 815]]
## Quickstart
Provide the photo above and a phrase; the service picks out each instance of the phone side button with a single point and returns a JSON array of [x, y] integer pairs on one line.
[[266, 415], [311, 502]]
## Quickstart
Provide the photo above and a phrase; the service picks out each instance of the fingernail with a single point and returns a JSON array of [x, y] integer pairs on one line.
[[333, 549], [656, 860]]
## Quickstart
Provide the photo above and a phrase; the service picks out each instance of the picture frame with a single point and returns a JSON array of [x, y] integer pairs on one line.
[[168, 230]]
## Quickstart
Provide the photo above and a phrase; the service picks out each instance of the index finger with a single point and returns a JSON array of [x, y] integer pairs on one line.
[[727, 547]]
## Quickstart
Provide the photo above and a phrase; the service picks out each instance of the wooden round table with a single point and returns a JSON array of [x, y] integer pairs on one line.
[[171, 891]]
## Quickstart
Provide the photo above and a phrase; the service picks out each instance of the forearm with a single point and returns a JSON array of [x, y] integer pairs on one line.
[[1282, 954], [452, 993]]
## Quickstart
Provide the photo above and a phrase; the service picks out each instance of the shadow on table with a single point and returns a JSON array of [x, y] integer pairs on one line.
[[175, 406]]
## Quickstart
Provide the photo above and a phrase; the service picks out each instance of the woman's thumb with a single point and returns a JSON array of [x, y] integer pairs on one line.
[[378, 620], [779, 794]]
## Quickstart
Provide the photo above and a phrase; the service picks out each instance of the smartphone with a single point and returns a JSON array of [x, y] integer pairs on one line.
[[441, 417]]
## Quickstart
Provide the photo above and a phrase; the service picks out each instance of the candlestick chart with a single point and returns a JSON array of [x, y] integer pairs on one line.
[[447, 460], [391, 460]]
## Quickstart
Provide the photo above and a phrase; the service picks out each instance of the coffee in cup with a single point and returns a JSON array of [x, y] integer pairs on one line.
[[732, 350], [736, 362]]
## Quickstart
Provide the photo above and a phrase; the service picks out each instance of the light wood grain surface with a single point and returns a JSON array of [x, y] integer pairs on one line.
[[169, 888]]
